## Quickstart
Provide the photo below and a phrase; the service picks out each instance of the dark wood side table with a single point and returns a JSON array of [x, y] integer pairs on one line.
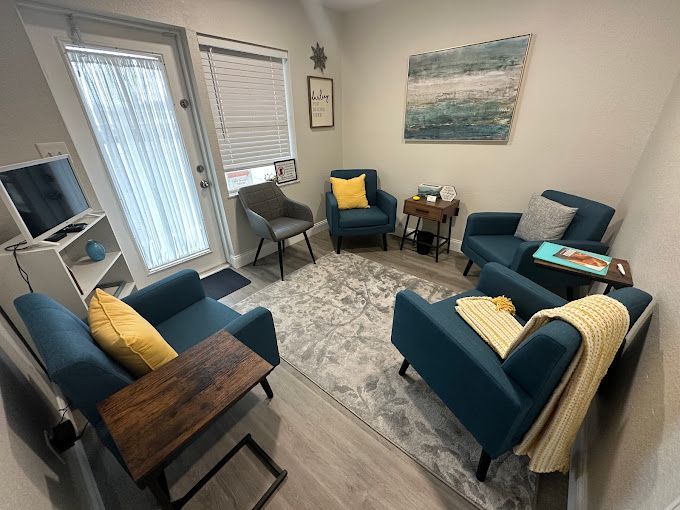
[[153, 418], [613, 278], [439, 211]]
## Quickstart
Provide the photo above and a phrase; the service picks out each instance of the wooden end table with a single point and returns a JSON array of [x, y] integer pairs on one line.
[[153, 418], [438, 211], [612, 278]]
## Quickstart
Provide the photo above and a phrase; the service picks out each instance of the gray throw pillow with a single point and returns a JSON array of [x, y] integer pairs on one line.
[[544, 220]]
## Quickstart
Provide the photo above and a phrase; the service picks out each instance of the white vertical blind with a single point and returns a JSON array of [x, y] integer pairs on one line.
[[248, 100], [127, 99]]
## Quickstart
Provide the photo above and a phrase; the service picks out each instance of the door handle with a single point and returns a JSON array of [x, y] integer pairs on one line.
[[205, 184]]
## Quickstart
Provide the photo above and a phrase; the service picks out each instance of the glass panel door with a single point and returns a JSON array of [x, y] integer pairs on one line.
[[127, 100]]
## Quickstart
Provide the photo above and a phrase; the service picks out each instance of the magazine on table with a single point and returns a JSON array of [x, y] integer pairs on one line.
[[581, 258], [574, 258]]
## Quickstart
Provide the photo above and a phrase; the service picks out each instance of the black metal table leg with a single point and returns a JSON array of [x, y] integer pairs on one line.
[[436, 251], [403, 237], [158, 485], [415, 232], [448, 242]]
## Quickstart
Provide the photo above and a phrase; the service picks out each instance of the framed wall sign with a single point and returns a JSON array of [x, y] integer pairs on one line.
[[286, 171], [320, 96]]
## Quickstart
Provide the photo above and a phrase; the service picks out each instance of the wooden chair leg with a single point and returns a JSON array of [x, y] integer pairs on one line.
[[384, 241], [483, 466], [309, 246], [339, 244], [281, 258], [467, 268], [404, 367], [257, 253]]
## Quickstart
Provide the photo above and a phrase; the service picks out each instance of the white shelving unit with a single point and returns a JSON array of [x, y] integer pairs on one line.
[[63, 270]]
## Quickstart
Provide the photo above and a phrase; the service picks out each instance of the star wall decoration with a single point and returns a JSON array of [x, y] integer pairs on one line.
[[318, 57]]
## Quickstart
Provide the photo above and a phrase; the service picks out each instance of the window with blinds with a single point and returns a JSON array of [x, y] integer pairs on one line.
[[247, 87]]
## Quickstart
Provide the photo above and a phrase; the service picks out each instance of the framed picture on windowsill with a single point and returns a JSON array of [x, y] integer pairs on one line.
[[320, 97], [286, 171]]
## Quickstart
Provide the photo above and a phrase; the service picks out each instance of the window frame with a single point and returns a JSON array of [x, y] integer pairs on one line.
[[205, 40]]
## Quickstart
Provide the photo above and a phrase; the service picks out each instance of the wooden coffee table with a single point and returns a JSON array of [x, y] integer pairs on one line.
[[440, 211], [153, 418]]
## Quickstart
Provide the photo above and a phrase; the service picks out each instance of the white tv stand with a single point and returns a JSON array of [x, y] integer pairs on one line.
[[48, 265]]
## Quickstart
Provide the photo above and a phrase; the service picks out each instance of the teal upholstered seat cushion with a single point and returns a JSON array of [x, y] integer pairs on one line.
[[195, 323], [355, 218], [445, 314], [497, 248]]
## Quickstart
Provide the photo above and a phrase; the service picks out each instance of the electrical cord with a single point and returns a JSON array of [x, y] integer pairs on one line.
[[14, 248]]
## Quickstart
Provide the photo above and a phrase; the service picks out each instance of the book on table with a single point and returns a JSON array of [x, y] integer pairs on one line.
[[574, 258]]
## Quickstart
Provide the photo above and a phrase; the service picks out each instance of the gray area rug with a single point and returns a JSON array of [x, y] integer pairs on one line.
[[333, 322]]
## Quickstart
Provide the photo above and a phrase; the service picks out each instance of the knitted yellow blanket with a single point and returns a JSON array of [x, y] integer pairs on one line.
[[602, 322]]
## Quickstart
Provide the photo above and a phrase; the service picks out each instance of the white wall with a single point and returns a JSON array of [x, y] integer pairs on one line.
[[597, 75], [634, 454], [31, 475]]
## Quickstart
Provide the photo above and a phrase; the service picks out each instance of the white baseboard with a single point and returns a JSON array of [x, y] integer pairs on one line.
[[245, 258], [455, 243]]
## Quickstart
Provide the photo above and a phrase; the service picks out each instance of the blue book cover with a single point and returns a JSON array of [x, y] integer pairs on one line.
[[574, 258]]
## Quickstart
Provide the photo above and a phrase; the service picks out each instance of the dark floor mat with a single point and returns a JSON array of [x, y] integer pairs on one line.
[[223, 283]]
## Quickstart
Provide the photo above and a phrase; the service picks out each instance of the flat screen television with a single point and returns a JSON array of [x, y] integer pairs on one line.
[[43, 196]]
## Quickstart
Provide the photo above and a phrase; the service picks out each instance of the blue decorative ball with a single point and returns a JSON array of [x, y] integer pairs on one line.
[[95, 250]]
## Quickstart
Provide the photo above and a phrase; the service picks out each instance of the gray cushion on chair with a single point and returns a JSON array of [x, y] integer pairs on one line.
[[286, 227], [544, 220]]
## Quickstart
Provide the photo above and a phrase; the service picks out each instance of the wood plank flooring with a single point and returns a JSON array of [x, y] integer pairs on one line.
[[334, 460]]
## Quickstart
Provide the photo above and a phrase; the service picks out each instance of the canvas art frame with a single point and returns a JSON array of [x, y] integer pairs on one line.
[[466, 93]]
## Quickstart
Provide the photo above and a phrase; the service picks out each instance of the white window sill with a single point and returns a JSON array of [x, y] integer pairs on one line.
[[235, 193]]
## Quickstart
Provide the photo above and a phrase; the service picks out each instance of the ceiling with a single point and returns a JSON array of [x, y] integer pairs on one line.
[[348, 5]]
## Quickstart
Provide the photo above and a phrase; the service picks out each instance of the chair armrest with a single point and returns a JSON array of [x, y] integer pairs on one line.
[[527, 296], [260, 225], [165, 298], [492, 223], [297, 210], [332, 213], [465, 376], [543, 357], [523, 261], [256, 330], [388, 204]]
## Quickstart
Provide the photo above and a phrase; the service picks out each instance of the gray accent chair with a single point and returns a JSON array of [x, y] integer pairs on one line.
[[275, 217]]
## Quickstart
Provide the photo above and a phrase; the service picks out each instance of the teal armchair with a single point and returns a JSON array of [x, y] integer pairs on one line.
[[489, 237], [379, 219], [496, 400], [176, 306]]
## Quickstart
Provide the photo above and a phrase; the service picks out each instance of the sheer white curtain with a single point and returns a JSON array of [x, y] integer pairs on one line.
[[127, 100]]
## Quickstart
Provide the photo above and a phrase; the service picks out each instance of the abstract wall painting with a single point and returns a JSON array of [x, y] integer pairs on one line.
[[465, 93]]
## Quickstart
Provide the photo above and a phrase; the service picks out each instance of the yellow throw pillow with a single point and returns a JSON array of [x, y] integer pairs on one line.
[[350, 193], [126, 336]]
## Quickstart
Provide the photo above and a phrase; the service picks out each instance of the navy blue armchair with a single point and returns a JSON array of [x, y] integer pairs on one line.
[[489, 237], [496, 400], [176, 306], [379, 218]]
